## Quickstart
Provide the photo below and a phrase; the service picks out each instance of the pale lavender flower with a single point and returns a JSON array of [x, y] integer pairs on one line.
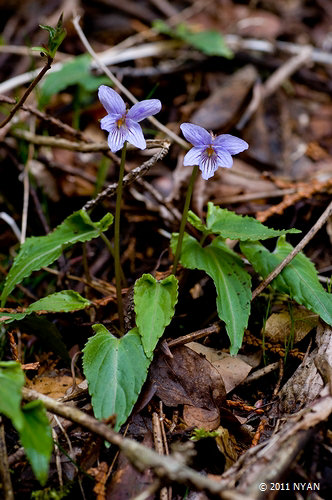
[[122, 124], [210, 152]]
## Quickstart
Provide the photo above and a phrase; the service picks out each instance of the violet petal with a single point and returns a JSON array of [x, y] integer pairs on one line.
[[231, 143], [135, 135], [208, 165], [109, 121], [224, 158], [116, 138], [111, 100], [193, 156], [143, 109], [196, 135]]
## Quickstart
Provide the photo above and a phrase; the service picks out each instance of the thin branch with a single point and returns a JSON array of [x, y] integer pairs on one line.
[[125, 52], [28, 91], [123, 89], [129, 178], [274, 81], [165, 467], [315, 228], [58, 142]]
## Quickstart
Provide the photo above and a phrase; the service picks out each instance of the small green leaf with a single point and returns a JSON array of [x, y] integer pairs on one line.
[[31, 421], [209, 42], [65, 301], [36, 438], [75, 72], [298, 279], [116, 369], [37, 252], [237, 227], [154, 306], [11, 383], [232, 282], [56, 36], [195, 221]]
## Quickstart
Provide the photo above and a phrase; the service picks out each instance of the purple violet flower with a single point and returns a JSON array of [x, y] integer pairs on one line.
[[210, 152], [122, 124]]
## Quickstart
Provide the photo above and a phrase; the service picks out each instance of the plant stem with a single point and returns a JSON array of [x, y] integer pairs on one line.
[[28, 91], [184, 218], [117, 264]]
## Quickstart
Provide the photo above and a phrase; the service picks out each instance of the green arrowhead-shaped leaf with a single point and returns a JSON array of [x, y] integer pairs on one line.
[[154, 306], [236, 227], [65, 301], [11, 383], [232, 282], [36, 438], [116, 369], [37, 252], [298, 279]]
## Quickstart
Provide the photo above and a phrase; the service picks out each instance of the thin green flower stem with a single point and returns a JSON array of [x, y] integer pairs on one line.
[[117, 264], [184, 218], [111, 251]]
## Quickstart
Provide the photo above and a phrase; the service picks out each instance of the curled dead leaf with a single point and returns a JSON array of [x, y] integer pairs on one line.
[[280, 326]]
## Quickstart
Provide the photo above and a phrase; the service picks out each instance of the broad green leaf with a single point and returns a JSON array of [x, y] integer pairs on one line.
[[75, 72], [237, 227], [36, 438], [209, 42], [154, 306], [232, 282], [116, 369], [64, 301], [11, 383], [298, 279], [37, 252]]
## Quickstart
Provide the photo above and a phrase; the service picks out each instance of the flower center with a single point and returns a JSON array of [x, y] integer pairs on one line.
[[210, 151], [121, 121]]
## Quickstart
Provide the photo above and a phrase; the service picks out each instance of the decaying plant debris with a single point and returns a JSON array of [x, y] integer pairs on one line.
[[206, 425]]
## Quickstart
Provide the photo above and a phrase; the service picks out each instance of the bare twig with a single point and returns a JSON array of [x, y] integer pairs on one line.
[[58, 142], [26, 183], [129, 178], [165, 467], [191, 337], [28, 91], [311, 233], [240, 198], [125, 52], [274, 81]]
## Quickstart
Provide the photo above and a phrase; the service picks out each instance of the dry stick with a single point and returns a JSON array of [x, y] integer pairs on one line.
[[274, 81], [123, 89], [120, 53], [311, 233], [26, 184], [129, 178], [165, 467], [28, 91]]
